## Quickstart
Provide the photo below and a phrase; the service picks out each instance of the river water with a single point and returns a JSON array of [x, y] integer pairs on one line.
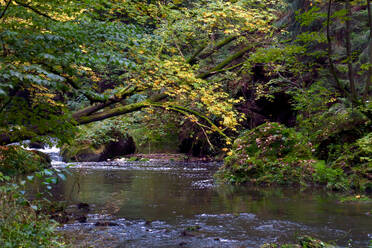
[[173, 204]]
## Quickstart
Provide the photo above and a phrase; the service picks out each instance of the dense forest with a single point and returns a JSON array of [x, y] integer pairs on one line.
[[280, 91]]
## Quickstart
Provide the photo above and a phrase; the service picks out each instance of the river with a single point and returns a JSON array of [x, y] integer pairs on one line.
[[174, 204]]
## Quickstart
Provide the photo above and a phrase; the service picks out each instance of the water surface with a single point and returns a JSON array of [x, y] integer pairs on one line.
[[160, 204]]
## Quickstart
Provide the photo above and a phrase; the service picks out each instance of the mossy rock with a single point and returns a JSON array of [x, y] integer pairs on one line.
[[270, 153], [302, 242], [86, 151], [82, 152], [16, 160]]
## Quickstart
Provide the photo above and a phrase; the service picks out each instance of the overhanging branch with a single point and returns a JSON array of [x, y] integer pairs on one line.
[[221, 65], [34, 9], [5, 9], [185, 111], [121, 110], [205, 54]]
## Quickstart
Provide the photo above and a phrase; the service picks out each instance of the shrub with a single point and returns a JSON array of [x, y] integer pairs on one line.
[[16, 160], [356, 162], [20, 225], [333, 178], [270, 153]]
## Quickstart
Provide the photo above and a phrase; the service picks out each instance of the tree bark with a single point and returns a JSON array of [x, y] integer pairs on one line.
[[121, 110], [94, 108], [82, 117]]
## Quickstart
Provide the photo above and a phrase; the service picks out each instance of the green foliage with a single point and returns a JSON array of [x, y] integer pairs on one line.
[[315, 118], [269, 154], [311, 15], [333, 178], [356, 161], [273, 154], [82, 52], [356, 198], [16, 160], [154, 132], [101, 133], [20, 225], [365, 145]]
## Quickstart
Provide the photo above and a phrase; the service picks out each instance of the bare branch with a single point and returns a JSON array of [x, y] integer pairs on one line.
[[5, 9], [34, 10]]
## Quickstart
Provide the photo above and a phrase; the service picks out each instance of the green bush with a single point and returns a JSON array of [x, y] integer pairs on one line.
[[16, 160], [333, 178], [356, 162], [274, 154], [20, 225], [270, 153]]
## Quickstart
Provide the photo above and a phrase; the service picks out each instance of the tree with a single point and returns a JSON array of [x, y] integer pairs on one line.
[[72, 63]]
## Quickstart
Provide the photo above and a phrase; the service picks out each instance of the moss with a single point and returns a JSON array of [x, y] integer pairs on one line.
[[16, 160], [114, 145], [83, 151], [302, 242]]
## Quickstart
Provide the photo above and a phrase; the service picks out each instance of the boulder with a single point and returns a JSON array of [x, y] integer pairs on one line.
[[36, 145], [86, 151]]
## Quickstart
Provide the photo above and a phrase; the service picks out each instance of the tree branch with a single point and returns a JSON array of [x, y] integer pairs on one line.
[[199, 53], [348, 52], [85, 119], [219, 44], [5, 9], [34, 10], [185, 111], [192, 59], [94, 108], [221, 65]]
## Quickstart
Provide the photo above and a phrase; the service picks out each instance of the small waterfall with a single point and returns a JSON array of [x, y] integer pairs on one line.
[[53, 151]]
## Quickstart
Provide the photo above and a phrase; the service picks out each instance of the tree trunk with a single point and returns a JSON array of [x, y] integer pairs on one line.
[[369, 77], [348, 51], [331, 65]]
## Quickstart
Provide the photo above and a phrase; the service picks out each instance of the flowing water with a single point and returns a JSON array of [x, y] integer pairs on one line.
[[173, 204]]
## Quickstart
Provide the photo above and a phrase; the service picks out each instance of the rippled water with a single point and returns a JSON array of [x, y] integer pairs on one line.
[[159, 204]]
